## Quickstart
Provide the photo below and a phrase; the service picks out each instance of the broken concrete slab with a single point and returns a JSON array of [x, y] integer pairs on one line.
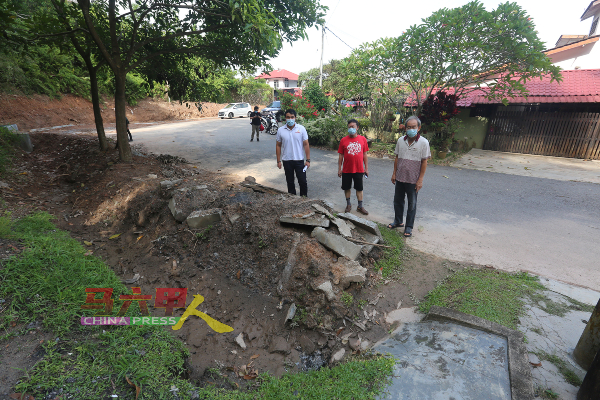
[[327, 289], [289, 265], [168, 184], [287, 219], [343, 227], [368, 237], [279, 345], [187, 200], [365, 224], [338, 356], [322, 210], [240, 340], [203, 218], [346, 271], [307, 345], [336, 243], [178, 213], [234, 217]]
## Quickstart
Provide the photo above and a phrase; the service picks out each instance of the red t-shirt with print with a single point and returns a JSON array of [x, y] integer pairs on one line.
[[353, 150]]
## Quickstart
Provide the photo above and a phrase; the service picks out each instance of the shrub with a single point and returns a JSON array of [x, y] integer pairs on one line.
[[8, 141], [316, 96], [303, 107]]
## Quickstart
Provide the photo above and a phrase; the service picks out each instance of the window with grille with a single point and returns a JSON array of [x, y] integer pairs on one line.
[[594, 26], [287, 83], [275, 84]]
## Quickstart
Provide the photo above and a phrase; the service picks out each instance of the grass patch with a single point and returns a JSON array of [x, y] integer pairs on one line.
[[563, 367], [391, 263], [47, 280], [490, 294], [543, 393], [559, 308], [8, 142]]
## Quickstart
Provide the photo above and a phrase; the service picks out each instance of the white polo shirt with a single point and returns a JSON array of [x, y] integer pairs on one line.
[[410, 157], [291, 141]]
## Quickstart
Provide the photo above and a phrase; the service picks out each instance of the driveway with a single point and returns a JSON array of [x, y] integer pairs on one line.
[[546, 226]]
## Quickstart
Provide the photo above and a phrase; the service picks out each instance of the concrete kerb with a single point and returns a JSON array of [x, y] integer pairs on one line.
[[521, 386]]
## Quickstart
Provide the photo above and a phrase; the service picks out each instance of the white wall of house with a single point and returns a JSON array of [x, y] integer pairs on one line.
[[281, 83], [587, 57]]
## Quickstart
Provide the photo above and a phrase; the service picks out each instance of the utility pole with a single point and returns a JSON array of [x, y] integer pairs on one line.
[[322, 48]]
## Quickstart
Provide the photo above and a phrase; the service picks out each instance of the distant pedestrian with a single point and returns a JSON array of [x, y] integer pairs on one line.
[[255, 122], [291, 147], [412, 152], [128, 132], [353, 165]]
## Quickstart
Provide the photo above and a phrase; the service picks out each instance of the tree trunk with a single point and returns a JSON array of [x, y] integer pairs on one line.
[[120, 115], [96, 105]]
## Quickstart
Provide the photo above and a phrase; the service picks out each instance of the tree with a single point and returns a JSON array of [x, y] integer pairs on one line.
[[465, 49], [335, 79], [242, 33]]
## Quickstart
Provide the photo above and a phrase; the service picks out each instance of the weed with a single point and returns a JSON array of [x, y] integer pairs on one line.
[[545, 393], [563, 368], [262, 243], [347, 299], [391, 264], [493, 295], [204, 234], [300, 316], [362, 303], [8, 141], [537, 330]]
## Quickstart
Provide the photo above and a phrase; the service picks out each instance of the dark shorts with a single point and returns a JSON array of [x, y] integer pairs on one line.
[[357, 178]]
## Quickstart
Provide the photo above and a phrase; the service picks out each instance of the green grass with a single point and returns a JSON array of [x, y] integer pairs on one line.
[[347, 299], [47, 281], [559, 308], [8, 142], [494, 295], [563, 368], [391, 264]]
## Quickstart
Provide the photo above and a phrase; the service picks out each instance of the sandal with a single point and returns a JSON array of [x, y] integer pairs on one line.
[[407, 232], [394, 225]]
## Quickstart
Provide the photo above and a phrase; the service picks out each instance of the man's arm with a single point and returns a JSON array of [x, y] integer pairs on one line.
[[421, 174], [340, 163], [366, 162], [394, 173], [278, 153], [307, 152]]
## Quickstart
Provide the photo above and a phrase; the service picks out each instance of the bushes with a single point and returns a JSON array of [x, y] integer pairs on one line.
[[316, 96], [8, 141], [303, 107], [327, 130]]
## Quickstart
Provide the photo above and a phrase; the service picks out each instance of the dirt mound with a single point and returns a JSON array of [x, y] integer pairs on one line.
[[235, 264], [41, 111]]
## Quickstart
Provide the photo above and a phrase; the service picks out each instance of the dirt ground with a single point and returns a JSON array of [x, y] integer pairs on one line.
[[235, 265], [39, 111]]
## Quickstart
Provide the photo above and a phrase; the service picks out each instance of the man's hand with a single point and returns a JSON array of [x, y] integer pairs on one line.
[[339, 173], [279, 164], [419, 185], [394, 179], [307, 164], [367, 172]]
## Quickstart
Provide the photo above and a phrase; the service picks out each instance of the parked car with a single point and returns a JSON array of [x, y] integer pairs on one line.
[[274, 108], [235, 110]]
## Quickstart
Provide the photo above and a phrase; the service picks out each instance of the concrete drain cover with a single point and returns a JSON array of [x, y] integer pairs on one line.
[[443, 360]]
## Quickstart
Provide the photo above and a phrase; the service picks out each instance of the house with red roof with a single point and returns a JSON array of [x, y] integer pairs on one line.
[[556, 118], [280, 80]]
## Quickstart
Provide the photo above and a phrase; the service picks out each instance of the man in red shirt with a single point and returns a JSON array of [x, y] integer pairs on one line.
[[353, 165]]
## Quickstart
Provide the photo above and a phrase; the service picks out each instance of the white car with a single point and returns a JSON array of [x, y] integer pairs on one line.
[[235, 110]]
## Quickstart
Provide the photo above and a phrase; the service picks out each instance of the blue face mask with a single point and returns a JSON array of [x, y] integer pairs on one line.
[[352, 131], [290, 122], [411, 133]]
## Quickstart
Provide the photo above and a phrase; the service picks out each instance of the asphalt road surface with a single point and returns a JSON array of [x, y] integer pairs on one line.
[[544, 226]]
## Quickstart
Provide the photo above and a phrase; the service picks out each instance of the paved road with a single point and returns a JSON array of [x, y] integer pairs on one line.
[[548, 227]]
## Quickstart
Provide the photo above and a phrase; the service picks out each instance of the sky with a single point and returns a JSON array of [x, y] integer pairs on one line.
[[360, 21]]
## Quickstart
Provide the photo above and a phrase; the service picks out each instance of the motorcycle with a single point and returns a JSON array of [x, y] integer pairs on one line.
[[269, 121]]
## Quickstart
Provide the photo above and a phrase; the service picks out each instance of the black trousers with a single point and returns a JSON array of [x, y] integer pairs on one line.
[[408, 190], [295, 166]]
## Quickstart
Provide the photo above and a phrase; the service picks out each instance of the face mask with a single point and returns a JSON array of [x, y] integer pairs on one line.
[[411, 133], [352, 131], [290, 122]]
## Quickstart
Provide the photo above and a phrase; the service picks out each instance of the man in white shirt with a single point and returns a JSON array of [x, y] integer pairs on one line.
[[291, 147]]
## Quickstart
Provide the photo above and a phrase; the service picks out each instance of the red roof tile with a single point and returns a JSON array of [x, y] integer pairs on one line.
[[281, 73], [577, 86]]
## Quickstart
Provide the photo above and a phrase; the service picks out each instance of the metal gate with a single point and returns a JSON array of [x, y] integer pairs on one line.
[[523, 129]]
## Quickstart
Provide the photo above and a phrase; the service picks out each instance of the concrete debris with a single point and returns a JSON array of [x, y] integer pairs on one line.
[[365, 224], [178, 213], [322, 210], [287, 219], [364, 345], [343, 227], [250, 179], [170, 184], [152, 176], [338, 356], [409, 314], [354, 343], [308, 215], [346, 271], [368, 237], [376, 299], [327, 289], [240, 340], [4, 185], [291, 261], [291, 312], [234, 217], [186, 200], [337, 244], [203, 218]]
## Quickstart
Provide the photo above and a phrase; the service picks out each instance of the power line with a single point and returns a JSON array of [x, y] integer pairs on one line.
[[339, 38], [333, 12]]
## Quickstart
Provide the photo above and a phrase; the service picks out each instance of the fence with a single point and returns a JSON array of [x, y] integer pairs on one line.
[[522, 129]]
